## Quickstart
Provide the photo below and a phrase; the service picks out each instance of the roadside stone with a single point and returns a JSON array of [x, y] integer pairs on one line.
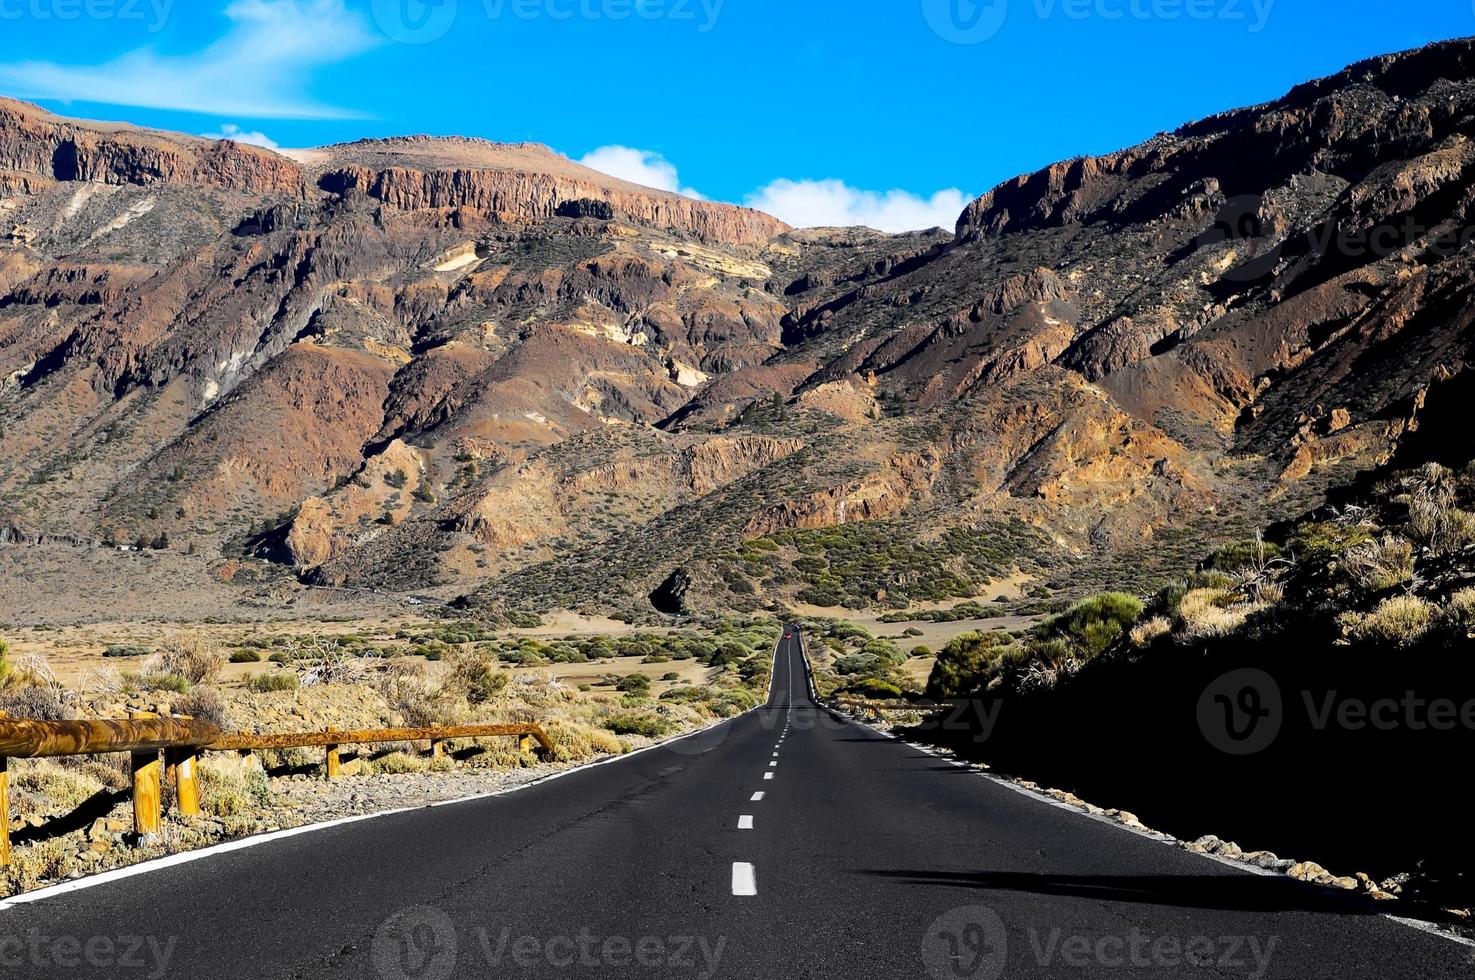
[[1306, 871], [1344, 883], [1261, 859], [1378, 895]]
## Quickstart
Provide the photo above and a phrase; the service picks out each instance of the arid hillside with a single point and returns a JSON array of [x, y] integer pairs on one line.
[[471, 369]]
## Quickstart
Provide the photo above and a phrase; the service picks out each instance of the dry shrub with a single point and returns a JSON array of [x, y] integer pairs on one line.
[[37, 702], [1459, 612], [1205, 613], [233, 791], [204, 704], [1145, 632], [197, 659], [420, 702], [43, 787], [38, 863], [396, 763], [1398, 621], [1383, 564]]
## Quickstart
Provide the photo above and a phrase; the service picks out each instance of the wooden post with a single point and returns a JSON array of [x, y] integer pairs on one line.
[[437, 748], [524, 743], [332, 768], [147, 787], [4, 811], [4, 808], [181, 770]]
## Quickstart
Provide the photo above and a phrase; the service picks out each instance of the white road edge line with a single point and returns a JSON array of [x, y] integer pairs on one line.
[[745, 822], [743, 881]]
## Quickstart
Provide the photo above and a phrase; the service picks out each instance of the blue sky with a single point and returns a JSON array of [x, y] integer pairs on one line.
[[889, 112]]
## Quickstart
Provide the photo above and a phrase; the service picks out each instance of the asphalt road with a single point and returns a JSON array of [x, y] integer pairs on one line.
[[862, 858]]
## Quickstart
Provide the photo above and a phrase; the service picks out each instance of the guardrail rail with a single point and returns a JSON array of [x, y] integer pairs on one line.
[[166, 751]]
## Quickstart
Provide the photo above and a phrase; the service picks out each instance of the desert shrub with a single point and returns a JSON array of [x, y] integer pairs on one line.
[[475, 678], [921, 650], [36, 702], [872, 687], [1327, 539], [6, 671], [966, 664], [177, 683], [632, 723], [633, 684], [1459, 612], [671, 675], [1399, 621], [126, 650], [857, 663], [282, 680], [602, 742], [61, 789], [1206, 613], [245, 657], [196, 659], [1253, 553], [1148, 630], [1093, 624], [233, 791], [206, 704], [398, 763], [1383, 564]]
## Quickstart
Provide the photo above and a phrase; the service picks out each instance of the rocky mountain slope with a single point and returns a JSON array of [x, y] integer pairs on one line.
[[482, 369]]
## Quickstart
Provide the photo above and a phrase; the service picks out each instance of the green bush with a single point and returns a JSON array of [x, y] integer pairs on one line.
[[165, 682], [1093, 624], [966, 664], [633, 684], [245, 657], [126, 650], [279, 681], [631, 723], [871, 687]]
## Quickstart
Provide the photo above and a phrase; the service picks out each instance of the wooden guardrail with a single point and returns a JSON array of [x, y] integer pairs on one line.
[[167, 751]]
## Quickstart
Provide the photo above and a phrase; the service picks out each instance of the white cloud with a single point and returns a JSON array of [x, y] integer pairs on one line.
[[230, 131], [824, 203], [255, 70], [639, 167]]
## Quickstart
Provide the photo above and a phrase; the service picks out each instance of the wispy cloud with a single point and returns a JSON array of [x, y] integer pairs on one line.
[[639, 167], [230, 131], [256, 70], [825, 203]]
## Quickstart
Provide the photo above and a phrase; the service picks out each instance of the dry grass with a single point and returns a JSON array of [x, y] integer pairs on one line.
[[1399, 621], [1383, 564]]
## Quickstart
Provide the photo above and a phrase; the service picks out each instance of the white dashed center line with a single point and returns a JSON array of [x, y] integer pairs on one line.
[[745, 822], [756, 797], [743, 881], [768, 775]]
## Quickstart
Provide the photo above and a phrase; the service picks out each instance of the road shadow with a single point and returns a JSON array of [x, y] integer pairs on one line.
[[1226, 892]]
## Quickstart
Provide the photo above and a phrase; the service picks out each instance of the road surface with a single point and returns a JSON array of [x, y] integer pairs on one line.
[[785, 843]]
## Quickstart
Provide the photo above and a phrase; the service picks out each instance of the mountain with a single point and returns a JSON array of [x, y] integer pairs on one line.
[[481, 370]]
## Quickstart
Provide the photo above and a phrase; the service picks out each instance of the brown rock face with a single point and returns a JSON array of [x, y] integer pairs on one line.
[[539, 196], [42, 148]]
